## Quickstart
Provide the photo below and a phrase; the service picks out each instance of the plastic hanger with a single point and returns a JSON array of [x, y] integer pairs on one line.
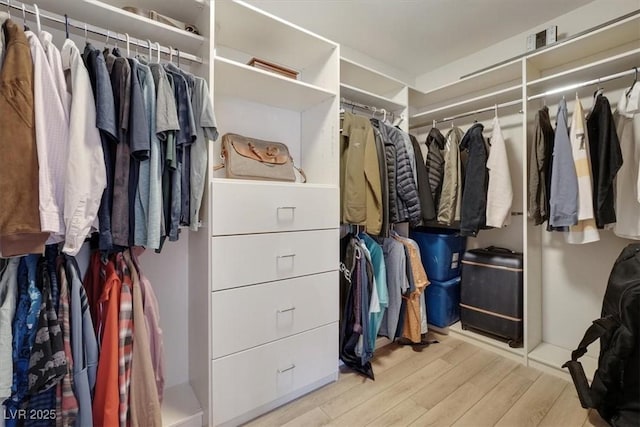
[[170, 55], [37, 13], [158, 58], [178, 50], [150, 53], [24, 18], [128, 41], [86, 35], [9, 8], [635, 80]]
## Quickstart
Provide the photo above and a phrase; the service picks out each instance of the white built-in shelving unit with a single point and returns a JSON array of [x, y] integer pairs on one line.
[[563, 284]]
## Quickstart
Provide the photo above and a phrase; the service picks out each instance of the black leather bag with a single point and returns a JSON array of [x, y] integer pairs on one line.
[[491, 293]]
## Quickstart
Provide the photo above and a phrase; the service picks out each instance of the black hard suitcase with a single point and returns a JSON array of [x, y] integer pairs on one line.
[[491, 293]]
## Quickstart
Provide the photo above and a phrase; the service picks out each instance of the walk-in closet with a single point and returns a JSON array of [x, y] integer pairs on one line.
[[307, 212]]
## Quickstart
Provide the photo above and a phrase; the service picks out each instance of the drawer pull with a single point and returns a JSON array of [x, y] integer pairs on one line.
[[292, 208], [281, 371], [286, 310], [285, 256]]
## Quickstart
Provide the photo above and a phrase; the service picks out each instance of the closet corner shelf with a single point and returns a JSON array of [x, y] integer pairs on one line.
[[275, 39], [590, 44], [243, 81], [486, 80], [180, 407], [554, 356], [425, 118], [362, 96], [473, 337], [609, 65], [369, 80], [120, 21]]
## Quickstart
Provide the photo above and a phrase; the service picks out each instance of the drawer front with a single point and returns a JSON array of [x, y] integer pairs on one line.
[[258, 258], [254, 315], [241, 207], [252, 378]]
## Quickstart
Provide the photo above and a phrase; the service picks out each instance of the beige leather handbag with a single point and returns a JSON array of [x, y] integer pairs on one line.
[[250, 158]]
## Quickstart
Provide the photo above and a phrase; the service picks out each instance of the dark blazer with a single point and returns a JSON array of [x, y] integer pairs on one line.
[[474, 194]]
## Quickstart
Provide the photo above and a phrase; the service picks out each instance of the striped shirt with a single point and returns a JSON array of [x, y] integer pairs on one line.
[[66, 403], [125, 337]]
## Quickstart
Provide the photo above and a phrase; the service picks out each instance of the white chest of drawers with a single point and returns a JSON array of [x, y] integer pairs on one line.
[[274, 308]]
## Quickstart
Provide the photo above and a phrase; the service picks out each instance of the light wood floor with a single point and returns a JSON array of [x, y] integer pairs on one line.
[[449, 383]]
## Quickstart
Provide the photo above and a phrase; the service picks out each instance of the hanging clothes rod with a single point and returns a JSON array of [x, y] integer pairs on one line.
[[371, 108], [583, 84], [481, 110], [88, 28]]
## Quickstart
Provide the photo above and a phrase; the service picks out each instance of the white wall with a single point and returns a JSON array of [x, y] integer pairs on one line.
[[593, 14]]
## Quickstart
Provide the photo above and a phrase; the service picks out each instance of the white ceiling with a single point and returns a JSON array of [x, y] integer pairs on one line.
[[417, 36]]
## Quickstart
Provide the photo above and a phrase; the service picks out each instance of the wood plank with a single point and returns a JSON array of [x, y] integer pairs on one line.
[[377, 405], [453, 407], [493, 373], [400, 415], [566, 411], [462, 352], [389, 356], [434, 392], [347, 380], [312, 418], [493, 405], [594, 419], [534, 404], [340, 404], [527, 372]]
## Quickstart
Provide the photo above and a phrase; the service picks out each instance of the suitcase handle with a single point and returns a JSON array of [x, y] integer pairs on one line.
[[500, 249]]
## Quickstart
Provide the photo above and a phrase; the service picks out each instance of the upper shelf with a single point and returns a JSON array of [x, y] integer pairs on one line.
[[120, 21], [187, 11], [368, 80], [367, 98], [243, 81], [486, 80], [508, 94], [244, 28], [590, 71], [602, 40]]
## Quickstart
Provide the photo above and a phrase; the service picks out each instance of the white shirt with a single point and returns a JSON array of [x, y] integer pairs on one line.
[[52, 138], [86, 176], [585, 231], [628, 178], [55, 62], [499, 192]]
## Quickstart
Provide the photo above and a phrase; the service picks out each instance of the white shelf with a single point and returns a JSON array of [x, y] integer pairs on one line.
[[500, 96], [491, 80], [358, 95], [113, 18], [601, 68], [553, 356], [235, 79], [598, 41], [467, 335], [180, 407], [371, 81], [187, 11], [245, 28]]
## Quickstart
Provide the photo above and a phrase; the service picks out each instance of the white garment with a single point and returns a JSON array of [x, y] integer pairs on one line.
[[52, 138], [585, 231], [55, 62], [628, 178], [86, 176], [499, 192]]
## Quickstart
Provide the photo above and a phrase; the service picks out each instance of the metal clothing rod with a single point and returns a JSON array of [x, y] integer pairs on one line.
[[481, 110], [583, 84], [359, 105], [88, 28]]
